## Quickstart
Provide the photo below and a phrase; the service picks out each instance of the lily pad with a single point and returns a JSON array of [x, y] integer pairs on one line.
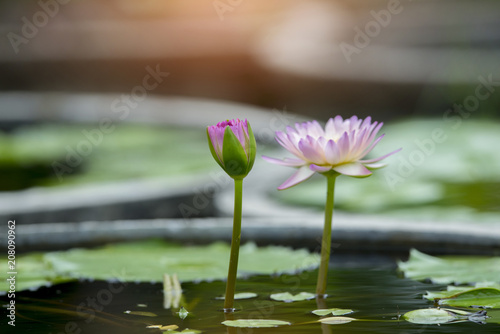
[[287, 297], [336, 320], [449, 269], [35, 273], [171, 329], [485, 297], [148, 261], [332, 311], [434, 316], [255, 323], [429, 316], [241, 295]]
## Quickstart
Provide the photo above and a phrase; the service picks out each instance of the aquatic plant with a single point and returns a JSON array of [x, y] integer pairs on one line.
[[337, 149]]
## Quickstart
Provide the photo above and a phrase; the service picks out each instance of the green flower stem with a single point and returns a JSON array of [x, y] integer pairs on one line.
[[327, 236], [235, 247]]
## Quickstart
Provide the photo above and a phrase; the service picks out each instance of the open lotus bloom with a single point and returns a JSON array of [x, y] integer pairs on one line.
[[339, 147], [233, 146]]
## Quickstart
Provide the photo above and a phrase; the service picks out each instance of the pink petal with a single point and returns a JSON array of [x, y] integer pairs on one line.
[[338, 122], [353, 123], [375, 166], [353, 169], [285, 162], [366, 122], [216, 137], [283, 140], [302, 174], [320, 169], [294, 139], [310, 153], [315, 129], [287, 142], [380, 158], [373, 132], [329, 127], [372, 145], [332, 153], [289, 129], [343, 146]]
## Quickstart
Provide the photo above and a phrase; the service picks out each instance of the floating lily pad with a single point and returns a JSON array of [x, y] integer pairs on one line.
[[452, 290], [449, 269], [485, 297], [171, 329], [332, 311], [35, 273], [241, 295], [429, 316], [336, 320], [148, 261], [287, 297], [434, 316], [255, 323]]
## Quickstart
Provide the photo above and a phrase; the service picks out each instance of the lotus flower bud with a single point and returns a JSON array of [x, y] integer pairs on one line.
[[233, 146]]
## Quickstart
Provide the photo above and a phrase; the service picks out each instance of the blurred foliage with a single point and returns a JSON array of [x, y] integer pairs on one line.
[[452, 269], [29, 155]]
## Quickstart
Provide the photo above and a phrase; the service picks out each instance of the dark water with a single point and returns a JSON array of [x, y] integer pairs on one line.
[[378, 296]]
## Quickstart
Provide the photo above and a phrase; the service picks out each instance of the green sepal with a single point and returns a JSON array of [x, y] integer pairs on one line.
[[234, 156], [252, 148], [212, 150]]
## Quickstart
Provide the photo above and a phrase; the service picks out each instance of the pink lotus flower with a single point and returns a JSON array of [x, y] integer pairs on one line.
[[340, 148]]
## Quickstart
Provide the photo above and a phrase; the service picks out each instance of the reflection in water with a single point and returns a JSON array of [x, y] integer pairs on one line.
[[172, 291], [321, 304]]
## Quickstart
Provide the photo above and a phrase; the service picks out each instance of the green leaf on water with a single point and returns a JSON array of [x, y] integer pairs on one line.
[[434, 316], [35, 273], [171, 329], [332, 311], [450, 291], [255, 323], [241, 295], [449, 269], [336, 320], [148, 261], [429, 316], [287, 297], [485, 297]]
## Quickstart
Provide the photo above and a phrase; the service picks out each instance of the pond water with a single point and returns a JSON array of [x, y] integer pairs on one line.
[[378, 295]]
